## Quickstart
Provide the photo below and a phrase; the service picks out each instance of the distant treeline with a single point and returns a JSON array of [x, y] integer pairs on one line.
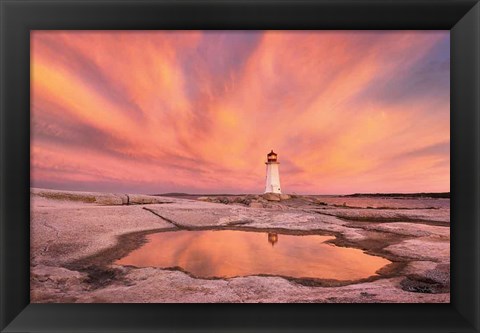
[[406, 195], [175, 194], [357, 195]]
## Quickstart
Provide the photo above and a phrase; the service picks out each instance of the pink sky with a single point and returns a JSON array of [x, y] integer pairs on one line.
[[197, 112]]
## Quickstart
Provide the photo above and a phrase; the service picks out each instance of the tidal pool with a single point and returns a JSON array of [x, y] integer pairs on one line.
[[230, 253]]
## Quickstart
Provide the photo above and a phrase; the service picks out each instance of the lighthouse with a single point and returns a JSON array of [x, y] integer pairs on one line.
[[273, 177]]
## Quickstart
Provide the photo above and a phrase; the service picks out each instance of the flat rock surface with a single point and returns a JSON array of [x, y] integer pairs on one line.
[[77, 236]]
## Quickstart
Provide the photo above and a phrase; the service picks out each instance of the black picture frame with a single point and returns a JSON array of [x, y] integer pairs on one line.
[[19, 17]]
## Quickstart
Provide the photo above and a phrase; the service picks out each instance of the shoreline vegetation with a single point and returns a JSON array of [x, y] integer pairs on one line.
[[436, 195]]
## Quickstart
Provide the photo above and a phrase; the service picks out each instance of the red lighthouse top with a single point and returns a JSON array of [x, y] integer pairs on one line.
[[272, 157]]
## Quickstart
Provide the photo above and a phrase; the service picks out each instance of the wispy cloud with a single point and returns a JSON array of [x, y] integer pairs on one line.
[[196, 111]]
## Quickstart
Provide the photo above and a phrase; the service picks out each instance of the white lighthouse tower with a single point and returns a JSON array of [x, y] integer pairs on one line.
[[273, 177]]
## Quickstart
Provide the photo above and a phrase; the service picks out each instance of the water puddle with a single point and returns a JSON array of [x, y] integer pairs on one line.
[[229, 253]]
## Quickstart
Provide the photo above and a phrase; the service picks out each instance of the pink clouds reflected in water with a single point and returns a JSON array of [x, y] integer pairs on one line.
[[229, 253]]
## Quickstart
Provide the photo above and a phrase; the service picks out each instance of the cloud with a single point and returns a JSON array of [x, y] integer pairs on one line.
[[192, 111], [437, 149]]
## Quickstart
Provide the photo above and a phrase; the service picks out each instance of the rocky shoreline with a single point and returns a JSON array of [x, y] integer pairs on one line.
[[77, 236]]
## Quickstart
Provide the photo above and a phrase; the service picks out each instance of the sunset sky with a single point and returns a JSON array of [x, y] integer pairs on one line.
[[197, 112]]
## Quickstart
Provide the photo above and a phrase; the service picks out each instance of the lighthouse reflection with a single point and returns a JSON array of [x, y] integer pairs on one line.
[[272, 238]]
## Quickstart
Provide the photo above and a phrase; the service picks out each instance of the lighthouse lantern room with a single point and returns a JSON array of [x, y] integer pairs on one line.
[[273, 177]]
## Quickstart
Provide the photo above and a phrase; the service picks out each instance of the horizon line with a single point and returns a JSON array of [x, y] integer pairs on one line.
[[232, 194]]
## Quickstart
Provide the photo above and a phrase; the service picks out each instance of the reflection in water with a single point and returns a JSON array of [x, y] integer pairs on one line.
[[272, 238], [228, 253]]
